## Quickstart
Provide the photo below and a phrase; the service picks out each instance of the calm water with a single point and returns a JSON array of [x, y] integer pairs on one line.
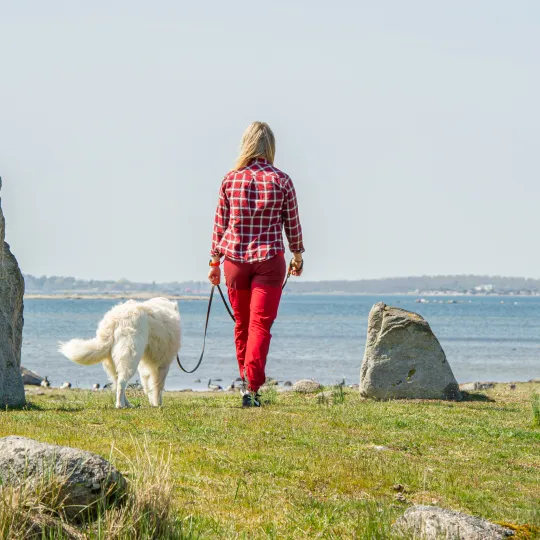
[[320, 337]]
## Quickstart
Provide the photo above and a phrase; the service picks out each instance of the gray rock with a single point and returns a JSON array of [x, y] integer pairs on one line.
[[306, 386], [380, 448], [287, 383], [31, 378], [404, 359], [473, 386], [432, 522], [11, 324], [87, 477]]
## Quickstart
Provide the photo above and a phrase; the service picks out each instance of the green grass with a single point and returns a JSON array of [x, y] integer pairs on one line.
[[302, 467], [536, 409]]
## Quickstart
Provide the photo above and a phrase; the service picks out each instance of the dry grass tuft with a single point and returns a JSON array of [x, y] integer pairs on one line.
[[34, 510], [147, 509]]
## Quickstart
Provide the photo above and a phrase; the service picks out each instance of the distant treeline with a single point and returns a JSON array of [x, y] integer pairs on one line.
[[59, 284], [467, 284]]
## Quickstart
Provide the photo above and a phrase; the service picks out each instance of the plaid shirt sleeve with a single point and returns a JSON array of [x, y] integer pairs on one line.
[[291, 219], [221, 221]]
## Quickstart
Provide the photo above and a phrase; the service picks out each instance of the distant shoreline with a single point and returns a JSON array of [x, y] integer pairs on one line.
[[114, 296]]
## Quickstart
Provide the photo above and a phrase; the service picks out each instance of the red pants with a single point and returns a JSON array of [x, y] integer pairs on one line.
[[254, 292]]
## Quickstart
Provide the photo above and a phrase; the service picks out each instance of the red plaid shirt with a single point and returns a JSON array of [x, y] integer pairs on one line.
[[255, 204]]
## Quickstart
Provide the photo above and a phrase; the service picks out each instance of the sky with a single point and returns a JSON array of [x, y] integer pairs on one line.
[[411, 131]]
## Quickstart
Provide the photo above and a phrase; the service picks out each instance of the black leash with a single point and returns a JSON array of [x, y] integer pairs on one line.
[[206, 327], [289, 272], [230, 314]]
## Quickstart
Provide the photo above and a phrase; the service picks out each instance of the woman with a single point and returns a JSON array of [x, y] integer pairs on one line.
[[256, 201]]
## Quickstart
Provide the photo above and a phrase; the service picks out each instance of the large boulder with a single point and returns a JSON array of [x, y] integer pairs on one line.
[[404, 359], [11, 324], [434, 523], [85, 477]]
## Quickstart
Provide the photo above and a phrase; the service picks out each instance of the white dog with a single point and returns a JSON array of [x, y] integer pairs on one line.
[[143, 335]]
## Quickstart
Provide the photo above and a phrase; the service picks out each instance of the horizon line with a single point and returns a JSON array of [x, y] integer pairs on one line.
[[489, 276]]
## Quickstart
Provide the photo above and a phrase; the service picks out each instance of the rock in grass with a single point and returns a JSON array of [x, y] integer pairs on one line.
[[306, 386], [11, 324], [404, 359], [432, 522], [473, 386], [87, 477], [31, 378]]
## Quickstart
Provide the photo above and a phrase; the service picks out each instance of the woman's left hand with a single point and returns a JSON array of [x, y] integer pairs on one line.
[[297, 267], [214, 275]]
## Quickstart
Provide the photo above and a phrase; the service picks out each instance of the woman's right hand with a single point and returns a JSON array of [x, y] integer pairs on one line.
[[214, 275]]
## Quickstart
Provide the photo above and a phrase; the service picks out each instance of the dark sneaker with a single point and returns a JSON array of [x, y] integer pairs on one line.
[[250, 399]]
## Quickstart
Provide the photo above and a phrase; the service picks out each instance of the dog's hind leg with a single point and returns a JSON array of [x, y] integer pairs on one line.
[[109, 368], [154, 378], [145, 377], [159, 384], [126, 355]]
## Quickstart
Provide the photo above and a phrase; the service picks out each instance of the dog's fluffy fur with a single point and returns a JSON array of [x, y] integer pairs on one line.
[[143, 335]]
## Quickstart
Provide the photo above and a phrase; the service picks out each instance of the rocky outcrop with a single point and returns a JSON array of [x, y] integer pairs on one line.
[[11, 324], [31, 378], [434, 523], [306, 386], [85, 477], [404, 359]]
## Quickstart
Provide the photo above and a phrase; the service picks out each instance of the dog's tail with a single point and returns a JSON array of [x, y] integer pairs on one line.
[[86, 352]]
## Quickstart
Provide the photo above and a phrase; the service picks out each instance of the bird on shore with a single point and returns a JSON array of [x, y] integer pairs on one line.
[[135, 386], [95, 387], [213, 386], [232, 387], [45, 383], [65, 386], [342, 383]]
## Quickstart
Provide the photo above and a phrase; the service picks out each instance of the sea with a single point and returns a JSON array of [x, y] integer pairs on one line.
[[321, 337]]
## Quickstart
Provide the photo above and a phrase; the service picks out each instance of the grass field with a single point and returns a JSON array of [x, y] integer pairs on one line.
[[306, 467]]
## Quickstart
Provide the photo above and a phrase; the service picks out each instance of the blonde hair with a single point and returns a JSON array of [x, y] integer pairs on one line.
[[258, 141]]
